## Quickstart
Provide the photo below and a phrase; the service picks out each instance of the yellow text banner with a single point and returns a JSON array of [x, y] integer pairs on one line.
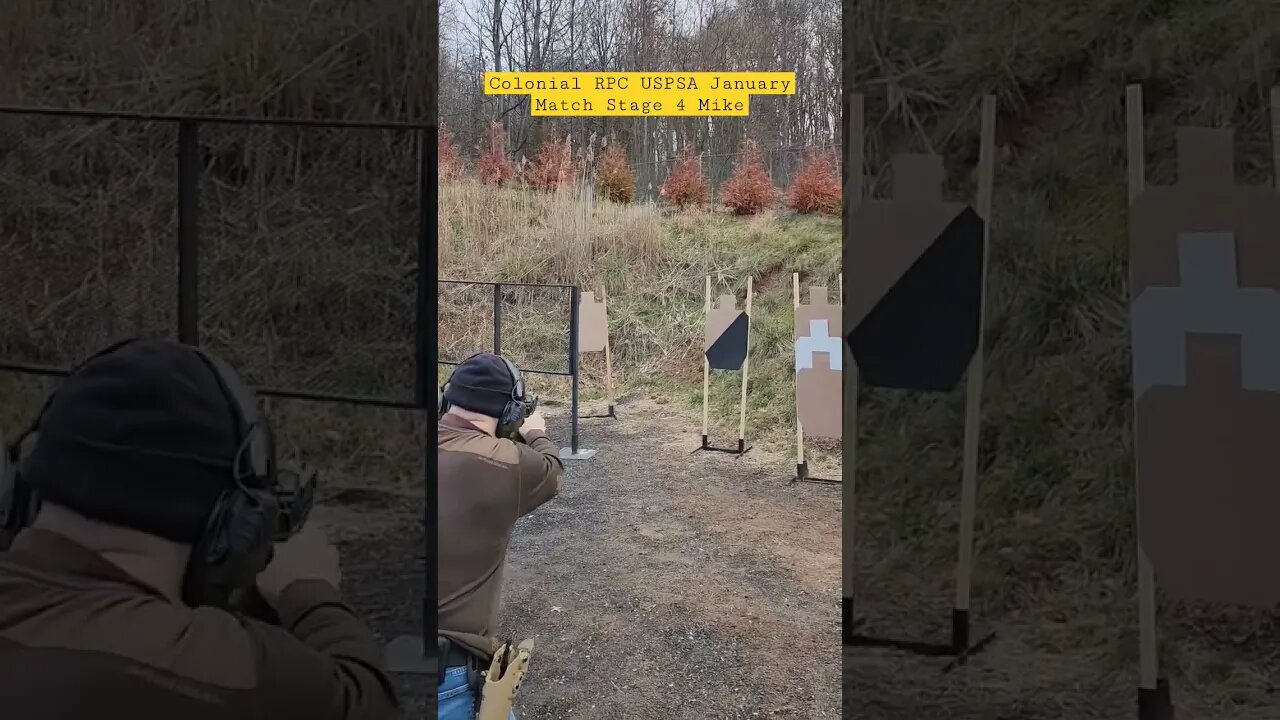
[[639, 94]]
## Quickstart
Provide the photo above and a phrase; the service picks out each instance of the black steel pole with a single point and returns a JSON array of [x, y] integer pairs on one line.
[[573, 365], [497, 318], [427, 355], [188, 232]]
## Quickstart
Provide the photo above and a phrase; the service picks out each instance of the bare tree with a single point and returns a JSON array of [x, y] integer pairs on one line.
[[650, 35]]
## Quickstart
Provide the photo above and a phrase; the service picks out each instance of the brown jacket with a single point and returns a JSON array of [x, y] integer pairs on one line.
[[486, 484], [79, 638]]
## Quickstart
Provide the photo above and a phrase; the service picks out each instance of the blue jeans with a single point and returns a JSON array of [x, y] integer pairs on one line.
[[455, 699]]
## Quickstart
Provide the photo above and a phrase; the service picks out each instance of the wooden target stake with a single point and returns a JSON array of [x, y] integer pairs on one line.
[[608, 355], [849, 443], [706, 364], [742, 411], [1149, 668], [1275, 134], [802, 466], [795, 305], [961, 645], [973, 389]]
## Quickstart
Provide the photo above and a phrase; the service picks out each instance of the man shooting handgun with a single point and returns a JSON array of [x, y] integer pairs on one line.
[[145, 508], [496, 465]]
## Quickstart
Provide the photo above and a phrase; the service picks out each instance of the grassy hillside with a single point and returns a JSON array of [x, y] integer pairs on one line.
[[1055, 518], [652, 265], [354, 59]]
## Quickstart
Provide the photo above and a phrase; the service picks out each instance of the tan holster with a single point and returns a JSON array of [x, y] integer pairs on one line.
[[500, 688]]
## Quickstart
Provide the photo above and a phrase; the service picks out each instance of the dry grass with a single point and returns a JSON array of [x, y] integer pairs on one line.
[[294, 223], [352, 59], [86, 227], [652, 264], [1055, 517]]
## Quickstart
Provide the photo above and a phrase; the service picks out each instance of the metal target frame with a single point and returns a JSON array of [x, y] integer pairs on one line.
[[573, 452], [407, 654]]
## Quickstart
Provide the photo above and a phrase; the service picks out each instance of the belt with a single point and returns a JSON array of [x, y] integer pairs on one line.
[[454, 655]]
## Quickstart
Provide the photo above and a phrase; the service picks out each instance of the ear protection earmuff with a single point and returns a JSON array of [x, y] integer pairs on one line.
[[18, 501], [239, 532], [518, 407]]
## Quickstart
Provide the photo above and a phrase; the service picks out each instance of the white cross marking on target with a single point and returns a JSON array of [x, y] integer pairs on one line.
[[818, 340], [1210, 300]]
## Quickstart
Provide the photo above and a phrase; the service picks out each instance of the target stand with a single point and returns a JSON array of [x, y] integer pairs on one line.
[[1155, 703], [706, 446], [610, 414], [728, 338], [593, 336], [848, 623], [815, 333], [959, 649], [938, 261], [802, 475]]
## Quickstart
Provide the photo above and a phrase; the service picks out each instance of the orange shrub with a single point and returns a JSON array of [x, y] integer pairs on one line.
[[552, 167], [448, 160], [492, 166], [614, 177], [816, 187], [749, 189], [685, 185]]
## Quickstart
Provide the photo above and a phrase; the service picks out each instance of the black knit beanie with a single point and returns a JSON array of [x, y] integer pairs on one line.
[[482, 384], [143, 437]]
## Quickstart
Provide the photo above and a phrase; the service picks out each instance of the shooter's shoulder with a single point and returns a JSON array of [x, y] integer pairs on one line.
[[476, 446]]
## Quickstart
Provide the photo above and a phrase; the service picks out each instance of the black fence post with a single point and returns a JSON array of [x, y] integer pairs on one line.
[[425, 355], [426, 376], [573, 366], [497, 318], [188, 232]]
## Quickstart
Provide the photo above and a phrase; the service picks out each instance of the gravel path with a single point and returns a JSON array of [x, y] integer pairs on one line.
[[665, 584]]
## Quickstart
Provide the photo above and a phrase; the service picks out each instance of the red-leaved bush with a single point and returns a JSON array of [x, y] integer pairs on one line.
[[448, 159], [492, 166], [816, 187], [552, 166], [614, 177], [685, 185], [749, 189]]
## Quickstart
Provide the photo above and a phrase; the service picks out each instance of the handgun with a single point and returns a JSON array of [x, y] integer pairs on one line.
[[295, 493]]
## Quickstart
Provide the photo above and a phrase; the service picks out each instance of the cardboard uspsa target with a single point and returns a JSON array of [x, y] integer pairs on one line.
[[1205, 318], [728, 336], [913, 313], [819, 351], [726, 339], [915, 266], [593, 337], [593, 324]]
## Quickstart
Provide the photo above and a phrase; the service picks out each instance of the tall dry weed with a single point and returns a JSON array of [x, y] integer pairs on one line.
[[526, 236]]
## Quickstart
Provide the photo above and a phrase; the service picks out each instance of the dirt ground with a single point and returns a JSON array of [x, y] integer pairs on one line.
[[665, 584], [1007, 681], [1037, 668], [1013, 680], [379, 537]]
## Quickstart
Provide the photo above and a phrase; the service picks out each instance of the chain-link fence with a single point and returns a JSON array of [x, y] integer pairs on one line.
[[535, 326], [296, 250], [89, 232], [299, 251], [527, 323]]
